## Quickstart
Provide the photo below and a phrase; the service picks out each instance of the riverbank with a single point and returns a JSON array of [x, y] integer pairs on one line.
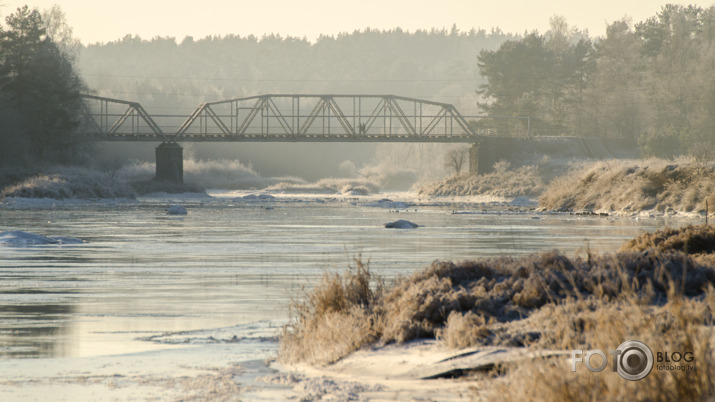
[[147, 295], [81, 183], [621, 187], [655, 290], [634, 186]]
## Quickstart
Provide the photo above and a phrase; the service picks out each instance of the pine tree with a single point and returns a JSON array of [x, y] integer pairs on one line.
[[39, 84]]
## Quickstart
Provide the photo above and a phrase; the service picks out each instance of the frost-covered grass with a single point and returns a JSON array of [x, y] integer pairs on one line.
[[681, 324], [502, 182], [70, 182], [622, 186], [10, 176], [662, 296], [61, 182], [633, 186]]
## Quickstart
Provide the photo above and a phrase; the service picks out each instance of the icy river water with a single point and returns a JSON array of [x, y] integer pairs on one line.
[[225, 272]]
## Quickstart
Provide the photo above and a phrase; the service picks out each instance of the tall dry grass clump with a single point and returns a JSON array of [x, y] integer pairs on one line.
[[633, 186], [335, 318], [690, 239], [682, 321], [661, 295]]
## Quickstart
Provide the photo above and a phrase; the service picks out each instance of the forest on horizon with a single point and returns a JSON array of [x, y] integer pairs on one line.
[[649, 81]]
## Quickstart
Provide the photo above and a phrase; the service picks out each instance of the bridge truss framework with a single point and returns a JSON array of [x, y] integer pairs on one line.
[[282, 118]]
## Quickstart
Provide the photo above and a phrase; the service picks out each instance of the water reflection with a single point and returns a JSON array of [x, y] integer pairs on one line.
[[35, 330]]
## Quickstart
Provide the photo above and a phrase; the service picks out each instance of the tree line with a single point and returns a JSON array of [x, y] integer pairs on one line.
[[651, 82], [39, 90], [167, 72]]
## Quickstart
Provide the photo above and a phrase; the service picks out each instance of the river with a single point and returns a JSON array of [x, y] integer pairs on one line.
[[226, 272]]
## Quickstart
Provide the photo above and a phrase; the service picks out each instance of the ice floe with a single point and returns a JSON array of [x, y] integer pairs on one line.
[[19, 238], [176, 210], [259, 197], [401, 224]]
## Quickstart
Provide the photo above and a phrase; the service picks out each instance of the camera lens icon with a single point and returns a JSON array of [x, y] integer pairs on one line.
[[635, 360]]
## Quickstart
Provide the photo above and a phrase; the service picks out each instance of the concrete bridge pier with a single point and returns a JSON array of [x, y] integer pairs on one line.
[[488, 151], [474, 159], [170, 162]]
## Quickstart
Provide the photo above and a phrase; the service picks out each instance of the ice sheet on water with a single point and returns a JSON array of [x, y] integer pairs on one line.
[[21, 203], [387, 203], [523, 201], [18, 238], [256, 332], [259, 197]]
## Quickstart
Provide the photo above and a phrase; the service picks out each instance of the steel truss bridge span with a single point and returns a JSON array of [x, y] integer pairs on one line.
[[281, 118]]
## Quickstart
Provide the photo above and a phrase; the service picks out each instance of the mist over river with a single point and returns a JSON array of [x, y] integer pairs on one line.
[[226, 272]]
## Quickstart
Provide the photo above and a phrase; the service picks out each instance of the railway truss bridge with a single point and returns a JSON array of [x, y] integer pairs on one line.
[[277, 118]]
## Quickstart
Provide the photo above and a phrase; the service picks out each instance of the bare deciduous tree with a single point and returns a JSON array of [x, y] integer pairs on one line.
[[454, 159]]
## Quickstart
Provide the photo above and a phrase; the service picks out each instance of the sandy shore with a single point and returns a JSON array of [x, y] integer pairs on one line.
[[419, 370], [394, 372]]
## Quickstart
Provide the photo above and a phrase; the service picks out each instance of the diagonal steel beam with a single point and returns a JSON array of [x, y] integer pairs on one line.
[[219, 123], [349, 129], [271, 107], [190, 120], [401, 116], [433, 123], [260, 102], [375, 114], [317, 109], [133, 109], [89, 119]]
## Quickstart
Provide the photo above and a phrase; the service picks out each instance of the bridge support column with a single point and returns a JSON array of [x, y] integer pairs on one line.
[[474, 159], [170, 162]]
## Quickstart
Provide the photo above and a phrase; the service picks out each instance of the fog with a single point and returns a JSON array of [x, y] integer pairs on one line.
[[628, 85], [171, 76]]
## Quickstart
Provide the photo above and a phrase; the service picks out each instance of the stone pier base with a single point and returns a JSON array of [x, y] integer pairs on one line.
[[170, 163]]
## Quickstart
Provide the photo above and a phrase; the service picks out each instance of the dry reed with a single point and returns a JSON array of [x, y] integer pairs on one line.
[[632, 186], [658, 289], [493, 301]]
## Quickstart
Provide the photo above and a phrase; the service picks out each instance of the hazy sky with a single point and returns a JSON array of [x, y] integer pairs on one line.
[[108, 20]]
